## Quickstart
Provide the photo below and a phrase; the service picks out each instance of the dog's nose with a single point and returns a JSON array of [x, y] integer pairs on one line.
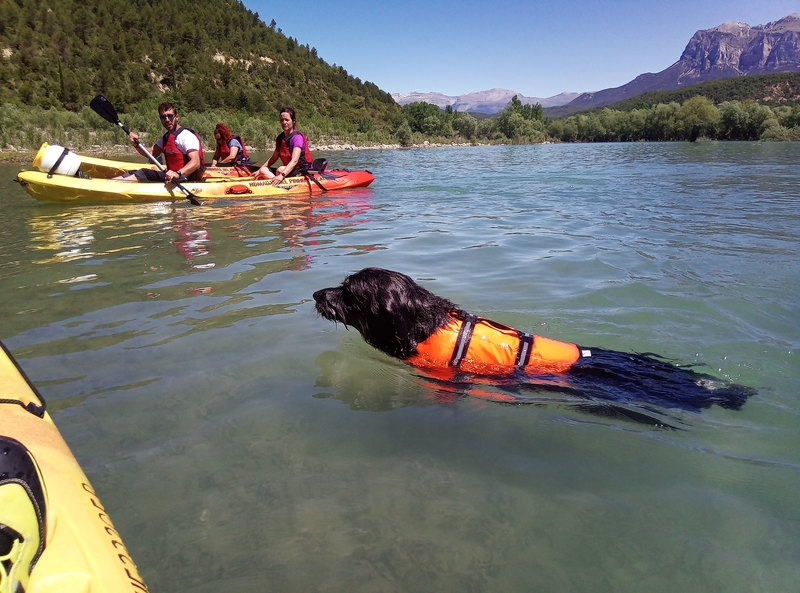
[[319, 295]]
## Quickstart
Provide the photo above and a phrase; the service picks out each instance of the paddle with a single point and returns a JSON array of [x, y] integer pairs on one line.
[[104, 109], [309, 175]]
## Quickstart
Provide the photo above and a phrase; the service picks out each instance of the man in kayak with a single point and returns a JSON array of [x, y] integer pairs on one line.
[[180, 146], [291, 146]]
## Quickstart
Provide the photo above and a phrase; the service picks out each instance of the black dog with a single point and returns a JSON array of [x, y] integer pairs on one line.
[[399, 317]]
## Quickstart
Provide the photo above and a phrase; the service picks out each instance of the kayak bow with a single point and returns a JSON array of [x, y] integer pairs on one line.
[[55, 534]]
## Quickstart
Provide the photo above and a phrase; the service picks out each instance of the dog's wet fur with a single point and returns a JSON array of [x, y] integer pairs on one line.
[[394, 314]]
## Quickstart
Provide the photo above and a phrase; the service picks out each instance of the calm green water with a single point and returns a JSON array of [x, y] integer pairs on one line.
[[241, 443]]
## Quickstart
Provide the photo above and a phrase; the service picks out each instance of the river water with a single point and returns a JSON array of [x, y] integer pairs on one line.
[[242, 443]]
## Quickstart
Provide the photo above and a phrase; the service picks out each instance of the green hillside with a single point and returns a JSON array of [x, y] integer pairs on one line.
[[207, 57], [210, 54], [768, 89]]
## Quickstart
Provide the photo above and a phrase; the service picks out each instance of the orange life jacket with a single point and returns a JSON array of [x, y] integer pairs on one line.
[[478, 345]]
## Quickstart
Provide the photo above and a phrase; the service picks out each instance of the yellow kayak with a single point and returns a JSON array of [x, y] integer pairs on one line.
[[82, 179], [55, 535]]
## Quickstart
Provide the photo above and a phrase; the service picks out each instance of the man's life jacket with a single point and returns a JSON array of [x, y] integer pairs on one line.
[[282, 146], [475, 344], [224, 150], [173, 155]]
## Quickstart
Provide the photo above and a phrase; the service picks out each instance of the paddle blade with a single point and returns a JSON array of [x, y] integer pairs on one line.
[[189, 195], [104, 109]]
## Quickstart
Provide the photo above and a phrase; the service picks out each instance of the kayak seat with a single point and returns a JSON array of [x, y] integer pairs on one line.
[[22, 515], [319, 165]]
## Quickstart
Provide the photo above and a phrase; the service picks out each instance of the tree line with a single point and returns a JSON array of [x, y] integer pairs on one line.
[[697, 118]]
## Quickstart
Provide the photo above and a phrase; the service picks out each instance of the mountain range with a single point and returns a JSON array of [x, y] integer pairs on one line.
[[729, 50], [487, 102]]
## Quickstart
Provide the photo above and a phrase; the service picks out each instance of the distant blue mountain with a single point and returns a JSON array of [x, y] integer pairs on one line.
[[488, 102]]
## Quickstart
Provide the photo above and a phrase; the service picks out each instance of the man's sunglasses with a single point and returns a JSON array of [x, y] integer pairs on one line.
[[169, 116]]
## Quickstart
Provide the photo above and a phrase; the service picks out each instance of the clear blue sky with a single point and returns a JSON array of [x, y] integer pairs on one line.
[[537, 49]]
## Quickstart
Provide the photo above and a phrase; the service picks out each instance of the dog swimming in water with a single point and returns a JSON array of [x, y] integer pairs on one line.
[[402, 319]]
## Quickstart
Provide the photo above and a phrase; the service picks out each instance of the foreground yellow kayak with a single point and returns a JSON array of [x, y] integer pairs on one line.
[[81, 179], [55, 535]]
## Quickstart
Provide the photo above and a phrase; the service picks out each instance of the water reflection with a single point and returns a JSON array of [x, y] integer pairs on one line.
[[193, 238], [70, 235], [365, 384], [117, 254]]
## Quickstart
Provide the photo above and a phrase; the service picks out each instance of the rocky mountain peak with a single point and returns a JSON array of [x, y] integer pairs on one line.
[[730, 49], [787, 23], [734, 27], [737, 49]]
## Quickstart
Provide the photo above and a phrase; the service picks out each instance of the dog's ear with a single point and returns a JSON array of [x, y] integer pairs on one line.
[[404, 343]]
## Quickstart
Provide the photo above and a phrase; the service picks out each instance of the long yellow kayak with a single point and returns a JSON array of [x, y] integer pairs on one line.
[[52, 158], [55, 535], [87, 180]]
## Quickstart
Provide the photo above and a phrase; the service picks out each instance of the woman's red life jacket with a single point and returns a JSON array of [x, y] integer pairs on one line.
[[282, 146], [223, 150]]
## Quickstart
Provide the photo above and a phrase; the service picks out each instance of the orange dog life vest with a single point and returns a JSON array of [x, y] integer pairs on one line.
[[478, 345]]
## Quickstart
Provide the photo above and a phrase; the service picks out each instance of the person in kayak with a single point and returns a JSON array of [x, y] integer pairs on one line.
[[230, 149], [180, 146], [291, 147]]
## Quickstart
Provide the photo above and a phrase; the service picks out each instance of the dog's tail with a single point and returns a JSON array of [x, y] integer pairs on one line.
[[621, 376]]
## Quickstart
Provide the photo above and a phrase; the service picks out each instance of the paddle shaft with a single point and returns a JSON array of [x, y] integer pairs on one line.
[[141, 146]]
